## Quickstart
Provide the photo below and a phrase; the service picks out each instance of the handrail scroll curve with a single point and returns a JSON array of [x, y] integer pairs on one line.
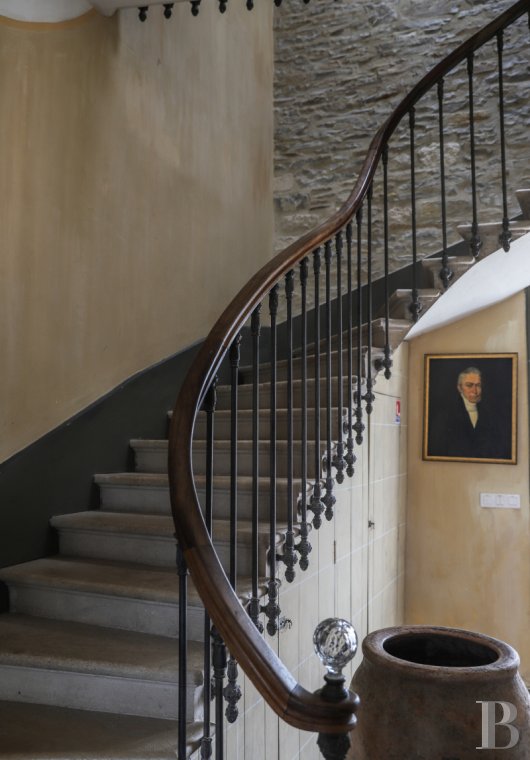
[[287, 698]]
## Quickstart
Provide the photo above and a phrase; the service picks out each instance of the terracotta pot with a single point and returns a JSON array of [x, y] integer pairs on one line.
[[419, 689]]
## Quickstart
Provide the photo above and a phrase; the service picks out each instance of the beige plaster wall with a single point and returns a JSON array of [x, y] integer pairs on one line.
[[135, 177], [467, 566]]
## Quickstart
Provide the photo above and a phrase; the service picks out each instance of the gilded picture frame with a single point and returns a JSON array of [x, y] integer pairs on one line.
[[470, 408]]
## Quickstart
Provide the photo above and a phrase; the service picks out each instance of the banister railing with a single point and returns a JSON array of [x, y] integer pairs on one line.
[[347, 232]]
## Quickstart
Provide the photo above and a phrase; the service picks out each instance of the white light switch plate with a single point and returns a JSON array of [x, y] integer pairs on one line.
[[500, 500]]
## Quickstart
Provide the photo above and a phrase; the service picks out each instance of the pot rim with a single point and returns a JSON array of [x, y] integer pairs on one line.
[[506, 664]]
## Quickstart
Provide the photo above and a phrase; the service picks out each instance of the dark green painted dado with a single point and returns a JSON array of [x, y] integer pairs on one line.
[[55, 474]]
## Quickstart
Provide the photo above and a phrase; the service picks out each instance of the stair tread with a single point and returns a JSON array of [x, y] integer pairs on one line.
[[106, 577], [161, 480], [159, 526], [60, 733], [44, 643]]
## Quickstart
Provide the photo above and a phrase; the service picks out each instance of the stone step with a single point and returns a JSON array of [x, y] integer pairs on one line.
[[245, 372], [245, 392], [151, 456], [397, 329], [400, 300], [244, 418], [489, 234], [458, 265], [118, 595], [149, 539], [128, 492], [523, 197], [88, 667], [31, 731]]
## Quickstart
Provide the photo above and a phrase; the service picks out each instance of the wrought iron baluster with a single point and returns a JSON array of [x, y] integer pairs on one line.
[[505, 236], [387, 361], [142, 12], [338, 460], [316, 504], [168, 10], [475, 244], [222, 6], [289, 554], [328, 498], [232, 692], [445, 272], [415, 306], [350, 456], [304, 547], [219, 673], [195, 5], [271, 609], [359, 426], [369, 397], [235, 354], [182, 571], [255, 328], [209, 407], [250, 5]]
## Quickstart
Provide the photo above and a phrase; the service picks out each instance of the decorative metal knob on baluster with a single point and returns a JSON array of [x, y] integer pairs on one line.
[[335, 642]]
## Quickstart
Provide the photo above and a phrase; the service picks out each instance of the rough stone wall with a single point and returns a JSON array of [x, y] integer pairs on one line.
[[342, 65]]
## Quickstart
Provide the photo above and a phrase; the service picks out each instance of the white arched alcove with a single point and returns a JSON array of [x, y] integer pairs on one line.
[[53, 11]]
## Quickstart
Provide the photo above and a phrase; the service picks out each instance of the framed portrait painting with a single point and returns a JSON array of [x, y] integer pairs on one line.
[[470, 408]]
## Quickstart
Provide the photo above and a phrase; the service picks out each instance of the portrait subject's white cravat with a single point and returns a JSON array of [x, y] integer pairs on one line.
[[471, 410]]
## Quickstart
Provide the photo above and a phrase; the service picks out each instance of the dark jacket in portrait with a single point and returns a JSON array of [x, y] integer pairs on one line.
[[451, 433]]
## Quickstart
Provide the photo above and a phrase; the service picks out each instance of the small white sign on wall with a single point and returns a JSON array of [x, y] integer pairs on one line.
[[500, 500]]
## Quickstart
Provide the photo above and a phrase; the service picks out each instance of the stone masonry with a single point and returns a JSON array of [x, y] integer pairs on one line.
[[343, 65]]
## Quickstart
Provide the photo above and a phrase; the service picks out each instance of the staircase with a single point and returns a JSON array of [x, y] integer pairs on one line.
[[88, 653], [91, 651]]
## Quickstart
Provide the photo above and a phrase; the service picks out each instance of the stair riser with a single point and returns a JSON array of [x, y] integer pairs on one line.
[[103, 693], [108, 611], [156, 461], [245, 427], [282, 367], [147, 550], [245, 400], [156, 501]]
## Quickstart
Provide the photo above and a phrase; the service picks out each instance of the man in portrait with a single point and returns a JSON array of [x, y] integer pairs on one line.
[[466, 424]]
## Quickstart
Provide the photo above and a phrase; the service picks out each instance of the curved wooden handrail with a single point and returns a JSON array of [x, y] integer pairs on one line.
[[287, 698]]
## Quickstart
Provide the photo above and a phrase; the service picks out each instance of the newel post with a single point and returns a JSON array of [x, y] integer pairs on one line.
[[335, 642]]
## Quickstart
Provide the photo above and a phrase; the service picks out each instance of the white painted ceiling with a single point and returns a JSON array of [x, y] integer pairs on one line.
[[52, 11]]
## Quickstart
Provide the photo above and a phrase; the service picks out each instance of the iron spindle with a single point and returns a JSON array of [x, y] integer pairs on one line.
[[328, 498], [350, 456], [168, 10], [475, 243], [315, 504], [182, 571], [235, 354], [255, 328], [271, 609], [369, 397], [505, 236], [303, 546], [142, 12], [415, 306], [289, 555], [445, 272], [195, 7], [338, 460], [387, 361], [222, 6], [250, 5], [359, 426], [219, 673], [209, 405]]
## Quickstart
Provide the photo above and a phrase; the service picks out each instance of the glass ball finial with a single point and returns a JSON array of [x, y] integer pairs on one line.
[[335, 643]]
